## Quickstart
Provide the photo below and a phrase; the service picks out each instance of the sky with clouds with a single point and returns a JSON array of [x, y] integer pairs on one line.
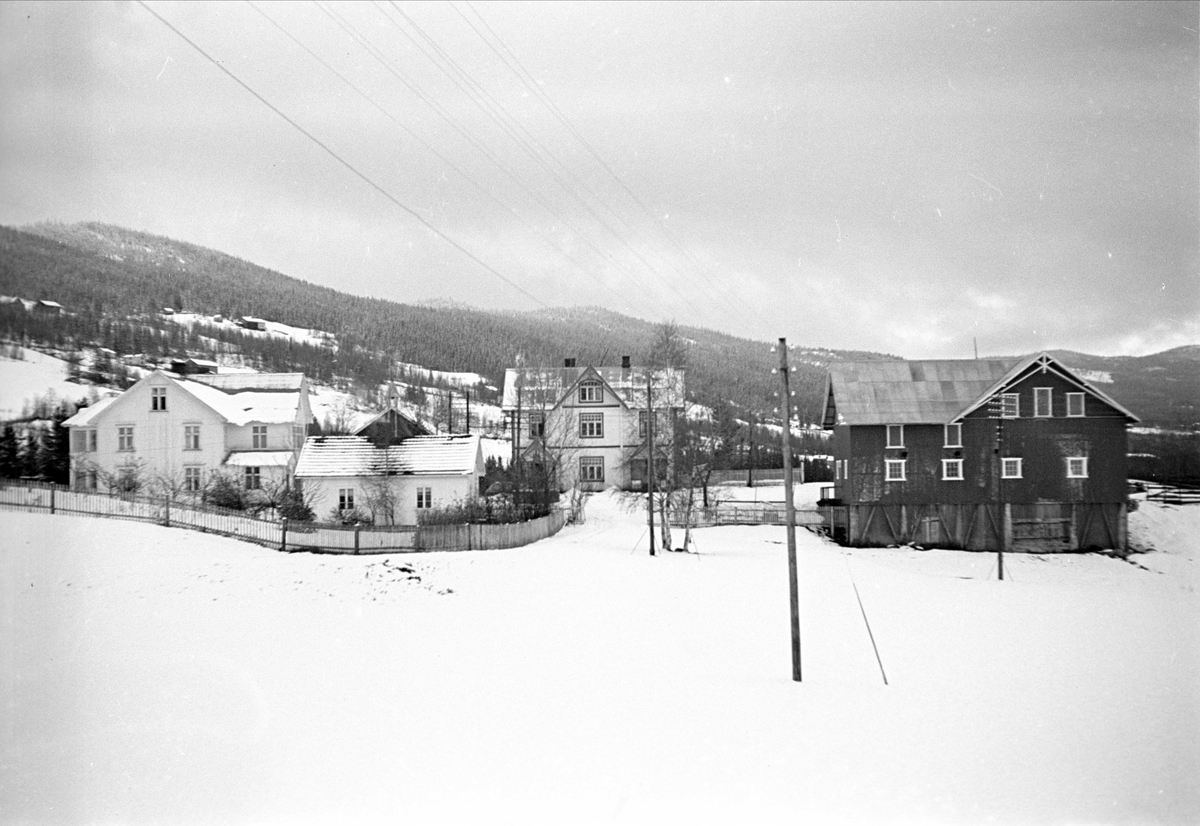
[[902, 177]]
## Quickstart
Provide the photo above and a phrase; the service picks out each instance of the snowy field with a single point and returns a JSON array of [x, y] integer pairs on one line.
[[32, 375], [153, 675]]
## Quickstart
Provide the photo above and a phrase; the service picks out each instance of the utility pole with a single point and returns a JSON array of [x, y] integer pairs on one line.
[[790, 506], [467, 397], [650, 459], [750, 470]]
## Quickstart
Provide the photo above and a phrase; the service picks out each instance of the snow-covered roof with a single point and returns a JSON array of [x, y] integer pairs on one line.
[[444, 455], [260, 458], [545, 387], [241, 408], [86, 415], [250, 381]]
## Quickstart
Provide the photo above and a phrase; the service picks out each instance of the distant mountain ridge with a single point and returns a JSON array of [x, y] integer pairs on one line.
[[102, 272]]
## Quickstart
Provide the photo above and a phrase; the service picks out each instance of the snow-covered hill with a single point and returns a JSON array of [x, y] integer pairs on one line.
[[157, 675]]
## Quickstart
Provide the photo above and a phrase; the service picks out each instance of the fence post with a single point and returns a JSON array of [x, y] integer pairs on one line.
[[52, 499], [283, 534], [356, 527], [167, 516]]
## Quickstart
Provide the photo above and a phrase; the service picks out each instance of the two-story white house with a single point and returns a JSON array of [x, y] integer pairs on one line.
[[589, 426], [175, 432]]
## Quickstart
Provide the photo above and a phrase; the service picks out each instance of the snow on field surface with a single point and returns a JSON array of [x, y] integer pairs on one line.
[[157, 675], [35, 374]]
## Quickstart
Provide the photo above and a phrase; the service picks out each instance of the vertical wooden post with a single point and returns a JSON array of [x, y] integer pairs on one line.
[[357, 526], [51, 499], [283, 534], [650, 459], [788, 498], [167, 511]]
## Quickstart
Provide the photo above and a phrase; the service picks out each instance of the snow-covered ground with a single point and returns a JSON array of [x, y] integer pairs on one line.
[[275, 329], [157, 675], [36, 374]]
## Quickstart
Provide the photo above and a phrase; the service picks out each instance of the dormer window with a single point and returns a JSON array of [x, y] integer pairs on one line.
[[590, 392], [895, 435], [158, 399]]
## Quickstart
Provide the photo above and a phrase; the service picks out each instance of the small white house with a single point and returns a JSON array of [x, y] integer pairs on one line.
[[179, 432], [391, 484]]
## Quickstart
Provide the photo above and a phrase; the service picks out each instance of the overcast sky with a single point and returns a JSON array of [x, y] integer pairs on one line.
[[893, 177]]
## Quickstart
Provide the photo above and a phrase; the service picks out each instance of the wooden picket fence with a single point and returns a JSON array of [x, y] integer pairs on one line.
[[272, 532]]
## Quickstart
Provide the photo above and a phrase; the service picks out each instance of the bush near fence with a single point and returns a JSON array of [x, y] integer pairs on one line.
[[276, 533]]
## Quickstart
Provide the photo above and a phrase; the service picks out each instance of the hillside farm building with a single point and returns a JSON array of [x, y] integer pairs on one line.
[[974, 453]]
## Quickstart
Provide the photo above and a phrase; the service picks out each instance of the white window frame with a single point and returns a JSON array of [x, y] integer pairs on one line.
[[955, 465], [1083, 467], [956, 429], [537, 425], [83, 440], [1010, 405], [891, 464], [424, 498], [125, 438], [252, 477], [191, 437], [193, 478], [1012, 471], [1074, 412], [258, 436], [1040, 393], [591, 425], [158, 399], [591, 468], [591, 392], [345, 499], [900, 430]]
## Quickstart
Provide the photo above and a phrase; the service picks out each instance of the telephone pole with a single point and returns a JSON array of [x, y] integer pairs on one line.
[[650, 459], [790, 506]]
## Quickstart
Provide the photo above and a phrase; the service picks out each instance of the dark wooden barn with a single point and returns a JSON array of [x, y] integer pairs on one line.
[[974, 453]]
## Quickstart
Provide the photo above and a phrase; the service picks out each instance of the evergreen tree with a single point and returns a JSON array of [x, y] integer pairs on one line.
[[10, 454]]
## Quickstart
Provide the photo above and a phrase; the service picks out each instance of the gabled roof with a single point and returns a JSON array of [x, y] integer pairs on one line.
[[930, 392], [545, 387], [266, 398], [445, 455]]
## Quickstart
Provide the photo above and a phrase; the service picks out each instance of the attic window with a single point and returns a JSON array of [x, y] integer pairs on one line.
[[158, 398], [953, 435], [590, 393], [895, 435], [1043, 402], [1075, 406]]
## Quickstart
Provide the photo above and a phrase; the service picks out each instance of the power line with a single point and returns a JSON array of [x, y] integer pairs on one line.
[[346, 163]]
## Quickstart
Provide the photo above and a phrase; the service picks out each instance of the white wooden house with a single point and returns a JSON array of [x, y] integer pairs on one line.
[[391, 484], [588, 426], [179, 432]]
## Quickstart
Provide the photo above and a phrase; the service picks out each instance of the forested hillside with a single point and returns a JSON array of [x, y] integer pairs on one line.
[[104, 275], [115, 282]]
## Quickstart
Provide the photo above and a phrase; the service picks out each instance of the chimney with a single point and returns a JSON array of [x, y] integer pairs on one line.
[[625, 362], [568, 362]]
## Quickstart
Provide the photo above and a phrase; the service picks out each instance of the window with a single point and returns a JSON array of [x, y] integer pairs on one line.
[[125, 437], [191, 437], [837, 470], [259, 436], [1075, 406], [1042, 401], [1010, 405], [537, 425], [590, 392], [1077, 467], [895, 470], [591, 425], [158, 398], [952, 470], [345, 499], [642, 419], [895, 435], [424, 498], [83, 441], [86, 479], [191, 478], [953, 435], [253, 478], [1011, 468], [297, 435], [591, 469]]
